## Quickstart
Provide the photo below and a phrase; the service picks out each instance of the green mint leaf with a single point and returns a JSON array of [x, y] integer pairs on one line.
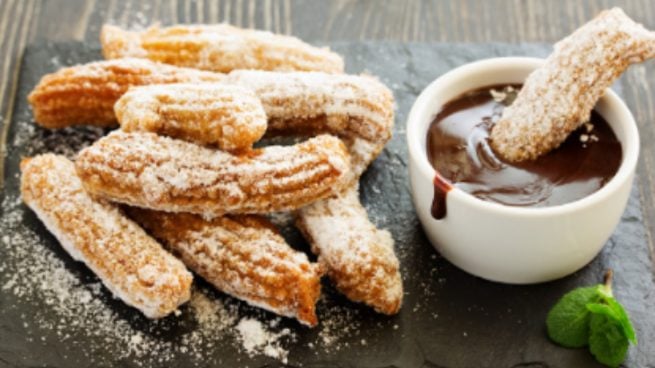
[[611, 308], [607, 341], [628, 329], [568, 321]]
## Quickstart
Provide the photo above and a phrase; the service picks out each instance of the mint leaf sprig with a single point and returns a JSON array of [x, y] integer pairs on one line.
[[592, 316]]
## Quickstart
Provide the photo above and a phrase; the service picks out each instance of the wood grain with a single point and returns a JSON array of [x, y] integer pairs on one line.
[[25, 21]]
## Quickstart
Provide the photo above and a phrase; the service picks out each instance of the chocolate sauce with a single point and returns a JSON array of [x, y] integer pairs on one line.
[[458, 148], [441, 189]]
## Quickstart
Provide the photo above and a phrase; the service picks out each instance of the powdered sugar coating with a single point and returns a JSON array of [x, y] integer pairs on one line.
[[129, 262], [86, 94], [151, 171], [362, 153], [219, 47], [243, 256], [558, 97], [360, 258], [211, 113], [313, 102]]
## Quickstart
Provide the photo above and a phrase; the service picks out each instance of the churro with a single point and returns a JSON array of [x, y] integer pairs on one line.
[[558, 96], [359, 258], [85, 94], [228, 116], [219, 48], [243, 256], [129, 262], [313, 102], [161, 173]]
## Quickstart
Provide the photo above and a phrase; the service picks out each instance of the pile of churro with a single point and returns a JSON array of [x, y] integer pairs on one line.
[[179, 187]]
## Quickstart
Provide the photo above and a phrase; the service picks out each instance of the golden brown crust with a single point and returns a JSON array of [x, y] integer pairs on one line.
[[150, 171], [242, 256], [228, 116], [128, 261], [219, 48], [85, 94]]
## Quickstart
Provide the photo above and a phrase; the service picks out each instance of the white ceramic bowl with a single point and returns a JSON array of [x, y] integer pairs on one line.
[[518, 245]]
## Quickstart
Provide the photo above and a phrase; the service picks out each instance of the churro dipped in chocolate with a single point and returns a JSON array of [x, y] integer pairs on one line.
[[86, 94], [558, 97], [228, 116], [128, 262], [243, 256], [161, 173], [219, 48]]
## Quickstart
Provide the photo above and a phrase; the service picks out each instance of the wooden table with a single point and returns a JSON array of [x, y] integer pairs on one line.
[[26, 21]]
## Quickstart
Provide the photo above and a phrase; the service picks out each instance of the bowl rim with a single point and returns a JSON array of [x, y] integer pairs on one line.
[[630, 148]]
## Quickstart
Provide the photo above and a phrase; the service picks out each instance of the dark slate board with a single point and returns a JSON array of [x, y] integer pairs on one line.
[[449, 318]]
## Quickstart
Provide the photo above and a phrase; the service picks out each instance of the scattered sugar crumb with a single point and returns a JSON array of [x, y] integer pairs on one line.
[[341, 323], [256, 338], [31, 139]]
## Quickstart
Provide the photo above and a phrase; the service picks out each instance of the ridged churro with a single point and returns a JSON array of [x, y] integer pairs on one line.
[[558, 97], [359, 258], [313, 102], [129, 262], [219, 48], [211, 113], [86, 94], [161, 173], [243, 256]]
